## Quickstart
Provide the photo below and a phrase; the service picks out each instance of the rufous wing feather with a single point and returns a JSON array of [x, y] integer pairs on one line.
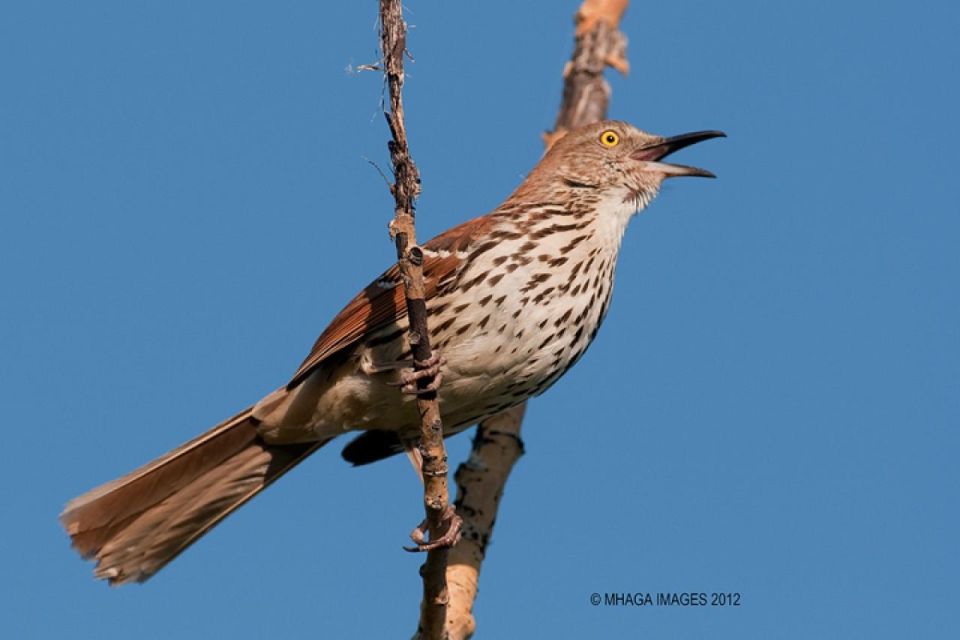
[[382, 303]]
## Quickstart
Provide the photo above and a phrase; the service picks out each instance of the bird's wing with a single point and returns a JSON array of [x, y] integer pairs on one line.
[[382, 303]]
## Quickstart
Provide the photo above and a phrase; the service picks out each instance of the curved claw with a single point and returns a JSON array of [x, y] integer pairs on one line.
[[428, 369], [450, 537], [418, 535]]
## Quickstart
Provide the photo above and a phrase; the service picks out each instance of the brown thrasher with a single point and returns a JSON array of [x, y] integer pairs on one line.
[[515, 297]]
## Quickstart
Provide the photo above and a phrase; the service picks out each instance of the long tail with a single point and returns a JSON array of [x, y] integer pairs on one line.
[[134, 525]]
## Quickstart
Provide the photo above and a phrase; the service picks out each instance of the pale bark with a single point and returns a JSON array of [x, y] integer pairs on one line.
[[480, 483]]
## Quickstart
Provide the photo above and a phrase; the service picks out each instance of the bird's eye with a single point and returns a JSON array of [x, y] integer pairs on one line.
[[609, 138]]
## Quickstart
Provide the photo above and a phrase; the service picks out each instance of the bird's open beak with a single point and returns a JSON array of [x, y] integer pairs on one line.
[[651, 154]]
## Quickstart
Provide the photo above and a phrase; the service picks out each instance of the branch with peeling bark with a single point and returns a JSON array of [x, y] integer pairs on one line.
[[441, 522], [497, 445], [480, 483], [599, 44]]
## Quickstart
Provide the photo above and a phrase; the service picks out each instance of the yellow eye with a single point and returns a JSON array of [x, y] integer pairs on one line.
[[609, 138]]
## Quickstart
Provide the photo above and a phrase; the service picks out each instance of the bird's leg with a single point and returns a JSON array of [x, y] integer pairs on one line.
[[428, 369], [415, 457], [452, 530]]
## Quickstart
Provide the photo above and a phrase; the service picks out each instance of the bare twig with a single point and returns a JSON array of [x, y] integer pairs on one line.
[[440, 522], [498, 445]]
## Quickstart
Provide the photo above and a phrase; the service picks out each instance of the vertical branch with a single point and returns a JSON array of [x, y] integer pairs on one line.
[[497, 445], [406, 187], [480, 483], [599, 44]]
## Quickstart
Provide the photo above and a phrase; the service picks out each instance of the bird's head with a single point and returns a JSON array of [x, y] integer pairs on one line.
[[613, 159]]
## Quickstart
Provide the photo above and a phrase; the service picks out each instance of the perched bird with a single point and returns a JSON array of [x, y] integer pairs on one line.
[[514, 298]]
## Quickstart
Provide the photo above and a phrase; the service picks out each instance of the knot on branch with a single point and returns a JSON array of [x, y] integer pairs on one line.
[[401, 225], [439, 472], [515, 437]]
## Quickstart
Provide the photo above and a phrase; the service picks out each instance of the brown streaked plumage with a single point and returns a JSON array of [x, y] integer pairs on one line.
[[515, 298]]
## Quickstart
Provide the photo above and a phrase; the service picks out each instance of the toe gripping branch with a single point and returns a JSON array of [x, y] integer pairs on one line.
[[428, 369], [452, 530]]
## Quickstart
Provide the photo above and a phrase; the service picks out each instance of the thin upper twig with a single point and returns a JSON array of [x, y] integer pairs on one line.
[[405, 189]]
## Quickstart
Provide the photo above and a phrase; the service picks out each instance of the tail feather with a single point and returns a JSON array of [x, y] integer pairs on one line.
[[135, 525]]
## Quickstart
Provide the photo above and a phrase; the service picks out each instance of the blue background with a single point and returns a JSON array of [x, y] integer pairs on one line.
[[771, 407]]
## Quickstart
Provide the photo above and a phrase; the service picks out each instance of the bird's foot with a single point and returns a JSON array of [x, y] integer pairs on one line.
[[452, 530], [429, 369]]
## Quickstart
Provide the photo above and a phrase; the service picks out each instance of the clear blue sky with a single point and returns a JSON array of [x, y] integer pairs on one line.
[[771, 407]]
